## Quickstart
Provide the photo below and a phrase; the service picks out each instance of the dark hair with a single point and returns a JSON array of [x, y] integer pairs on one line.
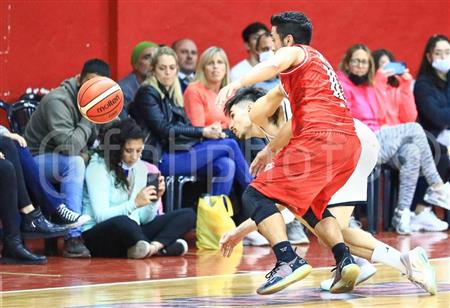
[[425, 66], [345, 62], [95, 66], [252, 29], [113, 140], [295, 24], [249, 94], [258, 40], [377, 54]]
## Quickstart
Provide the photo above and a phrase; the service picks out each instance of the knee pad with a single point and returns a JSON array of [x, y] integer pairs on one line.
[[312, 220], [257, 205]]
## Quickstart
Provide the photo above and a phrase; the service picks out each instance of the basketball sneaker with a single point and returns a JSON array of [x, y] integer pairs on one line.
[[346, 274], [419, 270], [285, 274], [255, 239], [367, 271], [439, 196]]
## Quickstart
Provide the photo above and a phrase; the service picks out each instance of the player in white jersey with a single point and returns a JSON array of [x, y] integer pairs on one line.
[[413, 263]]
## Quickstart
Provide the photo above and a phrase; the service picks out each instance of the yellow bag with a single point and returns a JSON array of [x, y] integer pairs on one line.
[[213, 219]]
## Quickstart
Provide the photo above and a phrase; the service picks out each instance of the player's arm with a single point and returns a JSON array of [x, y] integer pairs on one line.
[[265, 106]]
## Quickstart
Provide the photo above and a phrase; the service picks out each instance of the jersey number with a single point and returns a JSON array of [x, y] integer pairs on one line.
[[336, 87]]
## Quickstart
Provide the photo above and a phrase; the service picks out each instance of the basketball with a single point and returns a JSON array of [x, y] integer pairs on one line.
[[100, 100]]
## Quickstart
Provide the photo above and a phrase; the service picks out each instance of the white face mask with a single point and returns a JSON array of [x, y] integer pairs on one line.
[[266, 55], [126, 167], [442, 65]]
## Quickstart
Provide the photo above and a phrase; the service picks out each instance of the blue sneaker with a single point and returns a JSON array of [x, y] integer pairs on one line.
[[347, 272], [285, 274]]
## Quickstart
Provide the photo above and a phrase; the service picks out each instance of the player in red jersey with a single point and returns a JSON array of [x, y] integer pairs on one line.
[[311, 157]]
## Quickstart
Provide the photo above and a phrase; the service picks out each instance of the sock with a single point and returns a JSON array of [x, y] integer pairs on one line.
[[339, 250], [284, 252], [389, 256]]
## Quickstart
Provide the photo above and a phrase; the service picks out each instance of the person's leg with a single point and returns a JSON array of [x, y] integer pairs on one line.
[[113, 237], [222, 174]]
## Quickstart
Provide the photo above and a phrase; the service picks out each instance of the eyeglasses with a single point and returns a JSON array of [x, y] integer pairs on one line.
[[356, 62]]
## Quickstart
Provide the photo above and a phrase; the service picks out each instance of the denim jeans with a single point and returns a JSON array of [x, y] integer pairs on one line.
[[69, 172], [221, 161]]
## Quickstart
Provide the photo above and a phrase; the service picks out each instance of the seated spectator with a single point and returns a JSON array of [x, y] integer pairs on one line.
[[249, 35], [141, 57], [173, 142], [394, 91], [264, 48], [200, 96], [124, 205], [404, 147], [41, 190], [58, 137], [432, 96], [187, 54]]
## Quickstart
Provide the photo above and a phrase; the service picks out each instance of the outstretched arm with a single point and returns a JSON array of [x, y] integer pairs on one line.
[[265, 106]]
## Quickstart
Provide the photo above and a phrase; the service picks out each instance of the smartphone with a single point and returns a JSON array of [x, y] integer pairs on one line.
[[153, 180], [397, 67]]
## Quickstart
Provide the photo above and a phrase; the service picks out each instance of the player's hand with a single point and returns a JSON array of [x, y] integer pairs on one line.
[[228, 241], [261, 160], [227, 92]]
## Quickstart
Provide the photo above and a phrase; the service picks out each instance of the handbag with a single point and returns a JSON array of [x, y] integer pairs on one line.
[[213, 219]]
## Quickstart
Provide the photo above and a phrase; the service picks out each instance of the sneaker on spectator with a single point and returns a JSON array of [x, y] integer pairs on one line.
[[255, 239], [34, 225], [439, 197], [296, 233], [140, 250], [427, 221], [401, 221], [284, 274], [419, 269], [367, 270], [75, 248], [353, 223], [70, 218], [346, 275], [177, 248]]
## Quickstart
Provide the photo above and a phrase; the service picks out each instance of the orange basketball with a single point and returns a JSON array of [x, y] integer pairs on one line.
[[100, 100]]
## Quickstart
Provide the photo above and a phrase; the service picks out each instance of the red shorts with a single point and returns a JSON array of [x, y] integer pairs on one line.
[[309, 170]]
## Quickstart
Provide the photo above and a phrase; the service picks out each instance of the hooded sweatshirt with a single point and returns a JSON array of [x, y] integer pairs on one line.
[[57, 125]]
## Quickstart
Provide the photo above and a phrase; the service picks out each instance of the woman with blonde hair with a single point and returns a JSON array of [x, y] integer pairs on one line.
[[212, 74], [173, 143]]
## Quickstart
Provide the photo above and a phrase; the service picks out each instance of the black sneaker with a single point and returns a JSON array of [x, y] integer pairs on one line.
[[66, 216], [347, 272], [177, 248], [75, 248], [34, 225]]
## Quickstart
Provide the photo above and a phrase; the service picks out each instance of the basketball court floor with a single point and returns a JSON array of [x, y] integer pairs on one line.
[[205, 279]]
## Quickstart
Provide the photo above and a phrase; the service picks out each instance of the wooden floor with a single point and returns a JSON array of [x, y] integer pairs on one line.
[[205, 279]]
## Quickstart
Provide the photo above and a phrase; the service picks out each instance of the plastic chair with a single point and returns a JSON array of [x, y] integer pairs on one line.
[[174, 191], [19, 115]]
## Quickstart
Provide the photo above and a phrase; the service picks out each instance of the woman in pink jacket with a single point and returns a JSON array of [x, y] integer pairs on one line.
[[404, 146]]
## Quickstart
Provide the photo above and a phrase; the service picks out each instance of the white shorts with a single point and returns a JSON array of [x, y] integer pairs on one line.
[[355, 189]]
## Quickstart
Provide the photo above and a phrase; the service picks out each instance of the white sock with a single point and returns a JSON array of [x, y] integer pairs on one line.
[[389, 256], [360, 261]]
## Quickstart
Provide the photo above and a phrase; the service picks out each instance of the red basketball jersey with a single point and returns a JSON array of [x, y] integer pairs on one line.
[[316, 96]]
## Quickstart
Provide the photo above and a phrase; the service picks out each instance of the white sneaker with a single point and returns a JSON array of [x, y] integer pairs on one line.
[[296, 233], [353, 223], [419, 269], [140, 250], [439, 197], [255, 239], [367, 270], [401, 221], [427, 221]]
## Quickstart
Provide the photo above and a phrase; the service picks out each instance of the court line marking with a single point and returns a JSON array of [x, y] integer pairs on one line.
[[31, 274], [158, 280]]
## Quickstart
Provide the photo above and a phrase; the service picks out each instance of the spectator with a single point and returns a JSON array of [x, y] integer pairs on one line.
[[200, 96], [404, 146], [394, 91], [42, 191], [432, 96], [173, 143], [264, 48], [187, 54], [249, 35], [58, 136], [124, 205], [141, 57]]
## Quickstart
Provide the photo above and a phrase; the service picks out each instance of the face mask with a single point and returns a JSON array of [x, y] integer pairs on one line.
[[442, 65], [126, 168], [266, 55], [357, 80]]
